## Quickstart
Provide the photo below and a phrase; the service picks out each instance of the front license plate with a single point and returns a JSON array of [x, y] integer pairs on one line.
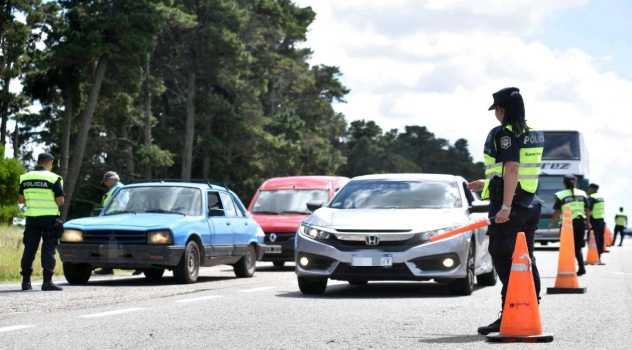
[[273, 249], [385, 260]]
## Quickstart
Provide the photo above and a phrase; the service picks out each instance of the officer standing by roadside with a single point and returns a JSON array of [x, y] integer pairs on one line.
[[580, 213], [620, 223], [513, 152], [42, 192], [597, 208]]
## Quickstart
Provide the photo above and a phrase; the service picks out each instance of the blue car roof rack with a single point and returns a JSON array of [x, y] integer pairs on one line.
[[209, 182]]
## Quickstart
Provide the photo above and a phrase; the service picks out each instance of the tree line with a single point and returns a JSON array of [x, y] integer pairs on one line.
[[188, 89]]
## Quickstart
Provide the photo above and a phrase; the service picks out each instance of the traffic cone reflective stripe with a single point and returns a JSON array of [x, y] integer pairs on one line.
[[592, 257], [566, 281], [521, 313]]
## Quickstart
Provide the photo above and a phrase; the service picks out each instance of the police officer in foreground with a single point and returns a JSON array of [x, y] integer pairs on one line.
[[42, 192], [513, 152], [597, 207]]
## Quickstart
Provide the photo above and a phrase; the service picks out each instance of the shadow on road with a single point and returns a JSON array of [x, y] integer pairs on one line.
[[453, 339], [379, 291], [142, 281]]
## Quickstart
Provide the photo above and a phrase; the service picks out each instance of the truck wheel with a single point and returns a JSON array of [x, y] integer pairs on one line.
[[154, 274], [465, 285], [247, 265], [188, 268], [77, 273], [311, 285]]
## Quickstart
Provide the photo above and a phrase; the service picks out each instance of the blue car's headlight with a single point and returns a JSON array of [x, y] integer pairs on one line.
[[313, 232], [425, 236]]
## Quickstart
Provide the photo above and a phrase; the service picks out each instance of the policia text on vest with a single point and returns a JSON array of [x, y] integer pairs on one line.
[[42, 192]]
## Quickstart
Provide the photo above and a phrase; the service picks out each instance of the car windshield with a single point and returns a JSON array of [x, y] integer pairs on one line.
[[287, 201], [389, 194], [547, 187], [156, 199]]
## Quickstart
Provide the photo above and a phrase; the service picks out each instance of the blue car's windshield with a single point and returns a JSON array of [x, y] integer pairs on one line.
[[387, 194], [156, 199]]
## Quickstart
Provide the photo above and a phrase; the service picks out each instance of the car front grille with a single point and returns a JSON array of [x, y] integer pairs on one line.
[[347, 270], [115, 236], [391, 246], [280, 237]]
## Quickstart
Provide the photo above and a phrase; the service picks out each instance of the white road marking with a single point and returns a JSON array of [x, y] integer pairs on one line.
[[255, 289], [14, 328], [108, 313], [619, 273], [197, 299]]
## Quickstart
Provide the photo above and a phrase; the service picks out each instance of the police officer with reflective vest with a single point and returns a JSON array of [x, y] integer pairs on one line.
[[597, 207], [513, 153], [580, 214], [620, 223], [42, 192]]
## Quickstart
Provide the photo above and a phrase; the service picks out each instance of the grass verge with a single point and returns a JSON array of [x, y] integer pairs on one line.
[[11, 248]]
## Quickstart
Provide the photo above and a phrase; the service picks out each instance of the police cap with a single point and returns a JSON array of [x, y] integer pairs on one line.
[[569, 177], [501, 97], [594, 185], [43, 157]]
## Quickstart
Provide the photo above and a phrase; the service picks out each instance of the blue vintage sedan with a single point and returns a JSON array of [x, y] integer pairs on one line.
[[156, 226]]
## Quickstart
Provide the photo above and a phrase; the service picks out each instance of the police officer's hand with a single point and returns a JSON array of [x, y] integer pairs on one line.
[[502, 216], [476, 186], [588, 226]]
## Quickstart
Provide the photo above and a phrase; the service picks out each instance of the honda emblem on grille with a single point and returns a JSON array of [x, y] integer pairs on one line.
[[273, 237], [372, 240]]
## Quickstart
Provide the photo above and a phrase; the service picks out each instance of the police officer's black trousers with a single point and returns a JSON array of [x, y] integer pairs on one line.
[[598, 227], [502, 241], [579, 232], [618, 229], [36, 229]]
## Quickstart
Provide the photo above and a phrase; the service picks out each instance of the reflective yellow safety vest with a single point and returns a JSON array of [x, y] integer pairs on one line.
[[599, 206], [620, 219], [38, 192], [531, 147], [577, 205], [108, 194]]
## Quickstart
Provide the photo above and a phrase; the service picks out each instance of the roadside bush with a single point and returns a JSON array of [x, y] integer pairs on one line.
[[10, 171]]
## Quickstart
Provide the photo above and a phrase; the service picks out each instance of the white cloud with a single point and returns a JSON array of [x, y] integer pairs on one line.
[[436, 63]]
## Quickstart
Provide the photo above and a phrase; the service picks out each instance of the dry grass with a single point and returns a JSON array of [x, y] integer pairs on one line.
[[11, 249]]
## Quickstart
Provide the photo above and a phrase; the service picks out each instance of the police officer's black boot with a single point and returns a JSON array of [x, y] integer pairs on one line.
[[492, 327], [48, 284], [26, 281]]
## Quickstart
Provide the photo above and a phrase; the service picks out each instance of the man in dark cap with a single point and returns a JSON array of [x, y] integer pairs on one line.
[[598, 212], [42, 192]]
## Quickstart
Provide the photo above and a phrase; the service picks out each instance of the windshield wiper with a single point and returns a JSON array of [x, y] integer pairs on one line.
[[391, 207], [294, 212], [120, 212], [164, 211], [266, 212]]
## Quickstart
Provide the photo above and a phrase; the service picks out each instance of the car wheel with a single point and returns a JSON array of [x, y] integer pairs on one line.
[[465, 285], [154, 274], [487, 279], [278, 263], [358, 283], [247, 265], [77, 273], [311, 285], [188, 268]]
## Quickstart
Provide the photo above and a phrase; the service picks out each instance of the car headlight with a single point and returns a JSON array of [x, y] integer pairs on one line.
[[313, 232], [425, 236], [72, 236], [159, 237]]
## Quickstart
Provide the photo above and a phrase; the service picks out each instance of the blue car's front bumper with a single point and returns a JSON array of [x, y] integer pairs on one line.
[[127, 256]]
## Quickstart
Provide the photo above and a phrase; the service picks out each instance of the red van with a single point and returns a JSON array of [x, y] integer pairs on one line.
[[279, 206]]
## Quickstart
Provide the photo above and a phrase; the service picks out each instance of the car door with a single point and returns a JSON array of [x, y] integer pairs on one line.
[[239, 222], [222, 237]]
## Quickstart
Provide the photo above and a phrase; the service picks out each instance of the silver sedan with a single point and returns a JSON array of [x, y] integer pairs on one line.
[[378, 227]]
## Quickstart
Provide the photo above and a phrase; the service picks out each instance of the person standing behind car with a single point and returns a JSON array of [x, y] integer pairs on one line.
[[580, 214], [597, 208], [42, 192], [620, 223], [513, 152]]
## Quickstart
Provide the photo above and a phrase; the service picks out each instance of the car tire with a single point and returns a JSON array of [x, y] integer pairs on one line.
[[77, 273], [358, 283], [465, 285], [188, 267], [247, 265], [312, 285], [153, 274], [487, 279], [278, 263]]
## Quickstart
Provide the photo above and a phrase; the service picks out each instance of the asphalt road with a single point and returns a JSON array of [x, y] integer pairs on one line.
[[269, 312]]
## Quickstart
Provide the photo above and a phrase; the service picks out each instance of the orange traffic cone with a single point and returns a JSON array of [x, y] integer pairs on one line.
[[566, 281], [592, 257], [521, 313], [607, 240]]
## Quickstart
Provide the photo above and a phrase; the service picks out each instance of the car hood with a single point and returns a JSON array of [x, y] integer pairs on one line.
[[279, 223], [128, 220], [388, 219]]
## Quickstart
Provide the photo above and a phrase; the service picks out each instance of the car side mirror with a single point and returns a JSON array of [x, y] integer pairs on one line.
[[479, 207], [313, 205], [215, 212], [97, 212]]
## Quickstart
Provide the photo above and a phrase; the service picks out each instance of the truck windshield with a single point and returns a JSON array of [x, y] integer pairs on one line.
[[561, 145], [287, 201], [156, 199]]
